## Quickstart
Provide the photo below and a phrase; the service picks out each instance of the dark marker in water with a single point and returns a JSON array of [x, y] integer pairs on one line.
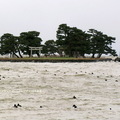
[[15, 106], [19, 105], [105, 79], [40, 106], [74, 106], [74, 97]]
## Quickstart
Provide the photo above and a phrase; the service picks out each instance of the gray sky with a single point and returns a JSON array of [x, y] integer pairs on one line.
[[45, 16]]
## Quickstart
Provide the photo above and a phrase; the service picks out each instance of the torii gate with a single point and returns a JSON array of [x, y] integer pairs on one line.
[[35, 48]]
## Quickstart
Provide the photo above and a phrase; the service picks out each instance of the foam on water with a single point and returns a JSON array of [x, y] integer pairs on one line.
[[53, 85]]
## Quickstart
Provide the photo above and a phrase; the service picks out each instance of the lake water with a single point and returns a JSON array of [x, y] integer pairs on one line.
[[46, 90]]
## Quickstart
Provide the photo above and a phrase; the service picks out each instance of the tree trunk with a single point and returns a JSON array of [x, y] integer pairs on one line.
[[15, 55], [71, 54], [17, 47], [20, 53], [38, 54], [83, 55], [99, 55], [93, 55]]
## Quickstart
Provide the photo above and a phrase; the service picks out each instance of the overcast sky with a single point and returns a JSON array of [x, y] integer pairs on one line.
[[45, 16]]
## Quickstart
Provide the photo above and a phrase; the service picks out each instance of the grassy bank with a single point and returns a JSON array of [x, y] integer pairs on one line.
[[54, 59]]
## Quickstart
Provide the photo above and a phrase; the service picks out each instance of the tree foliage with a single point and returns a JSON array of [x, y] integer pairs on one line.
[[100, 43], [49, 48], [29, 39], [71, 41], [9, 45]]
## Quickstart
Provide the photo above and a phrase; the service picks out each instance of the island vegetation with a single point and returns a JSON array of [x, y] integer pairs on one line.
[[70, 42]]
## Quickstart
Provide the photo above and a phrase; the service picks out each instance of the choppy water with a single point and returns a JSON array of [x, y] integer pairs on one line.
[[53, 85]]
